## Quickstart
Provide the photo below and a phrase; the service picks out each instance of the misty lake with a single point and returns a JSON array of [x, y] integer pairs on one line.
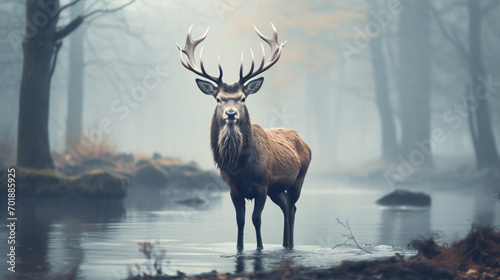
[[101, 238]]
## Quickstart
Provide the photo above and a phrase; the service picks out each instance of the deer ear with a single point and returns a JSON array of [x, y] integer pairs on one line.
[[206, 87], [253, 86]]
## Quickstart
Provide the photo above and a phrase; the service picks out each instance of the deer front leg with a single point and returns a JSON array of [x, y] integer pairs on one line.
[[260, 201], [239, 206]]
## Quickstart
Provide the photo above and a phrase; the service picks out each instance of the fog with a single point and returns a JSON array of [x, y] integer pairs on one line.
[[386, 93], [323, 85]]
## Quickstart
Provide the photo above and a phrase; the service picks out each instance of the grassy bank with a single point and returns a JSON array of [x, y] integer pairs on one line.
[[48, 183], [152, 172], [111, 176]]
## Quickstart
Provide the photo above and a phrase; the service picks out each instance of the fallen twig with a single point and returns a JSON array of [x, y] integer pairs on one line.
[[349, 236]]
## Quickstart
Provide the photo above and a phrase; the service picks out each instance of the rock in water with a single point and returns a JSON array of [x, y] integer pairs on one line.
[[193, 201], [405, 198]]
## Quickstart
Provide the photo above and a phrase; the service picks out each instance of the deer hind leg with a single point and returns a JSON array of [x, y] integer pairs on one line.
[[239, 206], [293, 195], [282, 201]]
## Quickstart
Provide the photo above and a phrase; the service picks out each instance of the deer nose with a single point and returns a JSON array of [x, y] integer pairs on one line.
[[231, 114]]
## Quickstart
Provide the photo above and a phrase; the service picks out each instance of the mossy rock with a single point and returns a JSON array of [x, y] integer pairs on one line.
[[405, 198], [100, 183], [180, 168], [203, 180], [35, 182], [150, 173], [89, 164], [165, 173], [47, 183]]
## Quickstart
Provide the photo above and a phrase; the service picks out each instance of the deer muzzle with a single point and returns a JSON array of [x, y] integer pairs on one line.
[[230, 115]]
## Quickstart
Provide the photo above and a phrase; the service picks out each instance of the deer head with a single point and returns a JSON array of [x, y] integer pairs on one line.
[[230, 98]]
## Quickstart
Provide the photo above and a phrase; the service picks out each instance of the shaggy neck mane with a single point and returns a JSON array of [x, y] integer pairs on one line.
[[228, 142]]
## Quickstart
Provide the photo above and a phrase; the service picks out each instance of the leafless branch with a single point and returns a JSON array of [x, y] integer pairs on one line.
[[452, 4], [70, 27], [448, 36], [343, 243], [128, 31], [90, 7], [490, 6], [125, 29], [67, 6], [107, 11], [496, 192], [349, 236], [57, 47], [118, 62], [108, 72]]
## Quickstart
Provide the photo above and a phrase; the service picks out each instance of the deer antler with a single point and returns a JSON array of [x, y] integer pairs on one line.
[[188, 50], [275, 55]]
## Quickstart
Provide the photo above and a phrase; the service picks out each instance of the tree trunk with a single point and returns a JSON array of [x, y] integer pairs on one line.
[[481, 130], [414, 80], [33, 150], [75, 84], [389, 141]]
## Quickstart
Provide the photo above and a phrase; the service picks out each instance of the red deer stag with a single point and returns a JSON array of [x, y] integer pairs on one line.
[[253, 161]]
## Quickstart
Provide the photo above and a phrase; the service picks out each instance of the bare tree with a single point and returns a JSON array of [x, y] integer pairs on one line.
[[75, 82], [481, 130], [381, 80], [41, 44], [11, 13], [414, 77], [480, 126]]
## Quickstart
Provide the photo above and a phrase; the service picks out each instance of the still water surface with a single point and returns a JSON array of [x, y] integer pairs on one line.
[[100, 238]]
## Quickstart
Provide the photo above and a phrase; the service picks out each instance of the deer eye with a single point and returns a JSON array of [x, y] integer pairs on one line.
[[218, 100], [243, 99]]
